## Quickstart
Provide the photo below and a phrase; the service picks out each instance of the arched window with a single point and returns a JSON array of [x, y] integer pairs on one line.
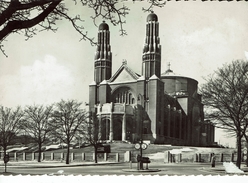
[[123, 94], [126, 97], [129, 98]]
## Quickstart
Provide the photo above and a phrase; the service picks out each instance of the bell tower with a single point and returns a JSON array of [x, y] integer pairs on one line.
[[103, 55], [98, 90], [151, 59]]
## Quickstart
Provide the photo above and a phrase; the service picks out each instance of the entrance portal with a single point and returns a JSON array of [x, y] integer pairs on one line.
[[117, 129], [129, 130], [105, 129]]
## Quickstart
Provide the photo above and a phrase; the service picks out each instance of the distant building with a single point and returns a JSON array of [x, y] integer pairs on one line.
[[160, 108]]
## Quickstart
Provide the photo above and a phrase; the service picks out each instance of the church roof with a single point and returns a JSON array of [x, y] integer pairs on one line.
[[153, 77], [141, 78], [93, 83], [104, 82], [124, 73], [169, 72]]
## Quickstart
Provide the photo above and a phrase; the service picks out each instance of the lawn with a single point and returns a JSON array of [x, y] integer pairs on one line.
[[121, 147]]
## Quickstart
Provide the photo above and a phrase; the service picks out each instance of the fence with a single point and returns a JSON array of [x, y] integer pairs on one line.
[[199, 157], [73, 157], [121, 157]]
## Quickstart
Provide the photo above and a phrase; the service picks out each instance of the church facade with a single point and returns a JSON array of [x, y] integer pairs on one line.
[[162, 108]]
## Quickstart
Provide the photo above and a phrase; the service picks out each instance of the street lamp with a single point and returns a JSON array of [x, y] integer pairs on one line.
[[141, 142]]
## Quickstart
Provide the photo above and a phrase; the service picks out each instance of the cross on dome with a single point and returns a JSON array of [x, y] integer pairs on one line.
[[169, 66]]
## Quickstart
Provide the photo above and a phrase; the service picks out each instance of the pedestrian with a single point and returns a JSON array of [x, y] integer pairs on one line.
[[213, 160]]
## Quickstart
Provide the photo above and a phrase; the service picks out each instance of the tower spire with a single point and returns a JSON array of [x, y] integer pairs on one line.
[[151, 60], [103, 55]]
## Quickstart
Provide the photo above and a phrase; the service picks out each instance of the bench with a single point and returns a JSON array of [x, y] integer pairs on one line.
[[231, 168]]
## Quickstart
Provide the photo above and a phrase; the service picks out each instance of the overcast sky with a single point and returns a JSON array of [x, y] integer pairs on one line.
[[196, 38]]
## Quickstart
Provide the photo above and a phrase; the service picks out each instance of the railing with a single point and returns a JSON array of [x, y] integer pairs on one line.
[[128, 156], [51, 156], [200, 157]]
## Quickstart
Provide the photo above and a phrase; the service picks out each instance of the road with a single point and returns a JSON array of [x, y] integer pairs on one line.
[[117, 169]]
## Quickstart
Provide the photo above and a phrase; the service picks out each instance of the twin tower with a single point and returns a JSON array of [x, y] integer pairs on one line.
[[120, 101], [151, 60]]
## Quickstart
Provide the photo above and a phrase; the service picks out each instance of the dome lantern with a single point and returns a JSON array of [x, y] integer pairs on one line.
[[152, 17], [103, 26]]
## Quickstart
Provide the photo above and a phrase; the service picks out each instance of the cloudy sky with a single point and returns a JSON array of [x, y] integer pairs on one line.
[[196, 38]]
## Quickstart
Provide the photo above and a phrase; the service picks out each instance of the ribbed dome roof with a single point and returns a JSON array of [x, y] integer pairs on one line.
[[103, 26], [152, 17], [169, 72]]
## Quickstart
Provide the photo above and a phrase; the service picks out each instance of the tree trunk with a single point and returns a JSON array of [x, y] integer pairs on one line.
[[95, 147], [4, 149], [39, 152], [4, 153], [238, 162], [68, 153]]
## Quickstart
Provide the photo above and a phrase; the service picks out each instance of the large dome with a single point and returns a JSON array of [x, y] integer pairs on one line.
[[152, 17], [103, 26], [170, 74]]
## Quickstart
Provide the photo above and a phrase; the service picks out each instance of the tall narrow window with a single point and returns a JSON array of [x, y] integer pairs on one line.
[[129, 98]]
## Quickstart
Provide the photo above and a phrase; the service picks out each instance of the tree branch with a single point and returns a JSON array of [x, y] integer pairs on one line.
[[18, 24]]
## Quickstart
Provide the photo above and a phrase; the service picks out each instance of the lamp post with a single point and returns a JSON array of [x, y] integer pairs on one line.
[[146, 99], [140, 146], [141, 142]]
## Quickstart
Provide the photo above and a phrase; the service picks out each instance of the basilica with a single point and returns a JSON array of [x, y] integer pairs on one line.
[[160, 108]]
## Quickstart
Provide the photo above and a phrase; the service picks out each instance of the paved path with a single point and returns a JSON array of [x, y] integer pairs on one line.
[[110, 168], [50, 164]]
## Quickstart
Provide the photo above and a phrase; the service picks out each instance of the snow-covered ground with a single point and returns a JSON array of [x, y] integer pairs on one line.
[[53, 146], [231, 168], [16, 149], [189, 151], [160, 155]]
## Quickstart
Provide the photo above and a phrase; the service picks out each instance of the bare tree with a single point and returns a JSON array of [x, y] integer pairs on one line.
[[31, 16], [92, 133], [36, 124], [67, 119], [9, 125], [225, 96]]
